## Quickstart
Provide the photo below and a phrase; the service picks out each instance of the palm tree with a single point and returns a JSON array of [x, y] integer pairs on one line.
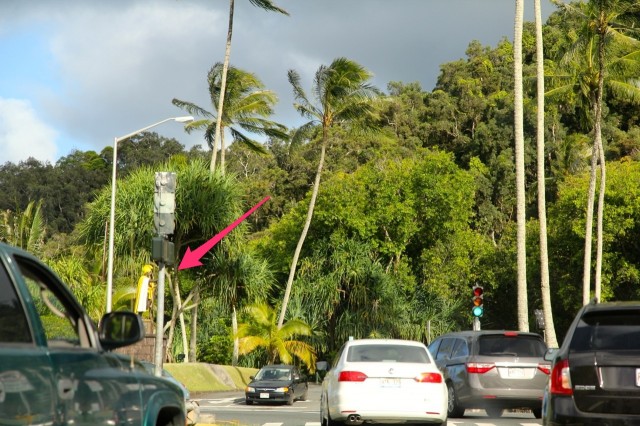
[[342, 98], [261, 331], [603, 55], [248, 104], [550, 332], [263, 4], [523, 315], [24, 229], [236, 277]]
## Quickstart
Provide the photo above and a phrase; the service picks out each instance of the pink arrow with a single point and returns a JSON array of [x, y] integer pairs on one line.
[[192, 258]]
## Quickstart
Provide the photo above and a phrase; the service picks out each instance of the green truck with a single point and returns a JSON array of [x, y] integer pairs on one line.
[[58, 368]]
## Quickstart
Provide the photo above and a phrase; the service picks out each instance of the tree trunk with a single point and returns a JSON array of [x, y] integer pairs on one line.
[[172, 324], [523, 312], [236, 340], [194, 325], [222, 150], [176, 314], [603, 171], [550, 333], [307, 223], [223, 88], [588, 232]]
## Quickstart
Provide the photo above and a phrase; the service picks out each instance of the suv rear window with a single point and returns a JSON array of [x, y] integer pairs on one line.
[[387, 353], [610, 330], [519, 345]]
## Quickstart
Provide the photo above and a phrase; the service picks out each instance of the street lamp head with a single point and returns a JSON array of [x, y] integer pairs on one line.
[[186, 119]]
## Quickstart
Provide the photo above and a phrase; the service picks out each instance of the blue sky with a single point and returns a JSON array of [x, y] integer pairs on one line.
[[77, 74]]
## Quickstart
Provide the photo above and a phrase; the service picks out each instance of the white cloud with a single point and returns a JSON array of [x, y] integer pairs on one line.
[[121, 67], [110, 67], [23, 135]]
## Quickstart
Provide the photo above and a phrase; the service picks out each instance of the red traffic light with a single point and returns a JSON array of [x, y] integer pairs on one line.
[[477, 291]]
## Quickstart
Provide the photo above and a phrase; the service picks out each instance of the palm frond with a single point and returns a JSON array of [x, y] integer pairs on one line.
[[248, 142], [192, 108], [268, 6]]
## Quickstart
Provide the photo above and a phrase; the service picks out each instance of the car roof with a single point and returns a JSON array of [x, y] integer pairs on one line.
[[606, 306], [472, 333], [279, 366], [384, 341]]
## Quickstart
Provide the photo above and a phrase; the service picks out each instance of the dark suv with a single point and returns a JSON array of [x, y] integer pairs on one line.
[[56, 368], [492, 370], [595, 378]]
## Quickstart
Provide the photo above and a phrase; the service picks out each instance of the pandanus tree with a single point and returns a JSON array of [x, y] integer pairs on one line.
[[341, 98], [237, 276]]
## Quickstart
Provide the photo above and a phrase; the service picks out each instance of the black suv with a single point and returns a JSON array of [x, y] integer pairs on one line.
[[595, 377], [493, 370]]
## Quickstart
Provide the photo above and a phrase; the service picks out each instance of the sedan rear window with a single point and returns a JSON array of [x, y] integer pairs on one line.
[[613, 330], [387, 353], [502, 345]]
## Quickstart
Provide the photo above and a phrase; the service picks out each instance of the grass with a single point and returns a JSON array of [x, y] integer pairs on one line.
[[201, 377]]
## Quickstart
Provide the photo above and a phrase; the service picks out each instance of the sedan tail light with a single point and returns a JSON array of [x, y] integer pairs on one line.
[[479, 367], [560, 382], [352, 376], [545, 368], [429, 378]]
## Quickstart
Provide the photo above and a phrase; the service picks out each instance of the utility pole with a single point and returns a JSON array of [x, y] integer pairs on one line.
[[162, 250]]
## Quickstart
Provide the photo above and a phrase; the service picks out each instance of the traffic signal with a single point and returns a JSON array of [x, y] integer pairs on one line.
[[164, 203], [478, 303]]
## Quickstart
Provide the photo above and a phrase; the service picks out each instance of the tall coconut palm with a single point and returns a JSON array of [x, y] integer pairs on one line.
[[523, 311], [550, 332], [263, 4], [247, 107], [342, 97], [604, 54], [261, 331]]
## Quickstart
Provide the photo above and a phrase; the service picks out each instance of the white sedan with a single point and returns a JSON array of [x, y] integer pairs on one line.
[[383, 380]]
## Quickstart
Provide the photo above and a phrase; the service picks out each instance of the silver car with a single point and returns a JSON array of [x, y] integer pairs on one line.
[[492, 370]]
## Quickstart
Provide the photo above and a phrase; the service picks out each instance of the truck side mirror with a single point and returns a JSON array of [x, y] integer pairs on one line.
[[118, 329]]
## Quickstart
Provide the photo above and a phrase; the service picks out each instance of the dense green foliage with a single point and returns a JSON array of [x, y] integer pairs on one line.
[[406, 220]]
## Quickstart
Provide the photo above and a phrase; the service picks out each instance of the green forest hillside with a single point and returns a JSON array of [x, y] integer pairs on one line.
[[416, 204]]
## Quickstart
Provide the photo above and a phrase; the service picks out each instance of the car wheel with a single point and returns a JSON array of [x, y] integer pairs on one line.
[[453, 409], [331, 422], [246, 401], [537, 412], [304, 395], [325, 417], [290, 399], [494, 411]]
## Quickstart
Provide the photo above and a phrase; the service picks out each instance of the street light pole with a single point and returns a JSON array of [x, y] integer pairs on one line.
[[112, 214]]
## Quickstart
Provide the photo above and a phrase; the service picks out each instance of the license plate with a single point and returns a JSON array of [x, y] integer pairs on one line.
[[264, 395], [390, 383], [515, 373], [637, 376]]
